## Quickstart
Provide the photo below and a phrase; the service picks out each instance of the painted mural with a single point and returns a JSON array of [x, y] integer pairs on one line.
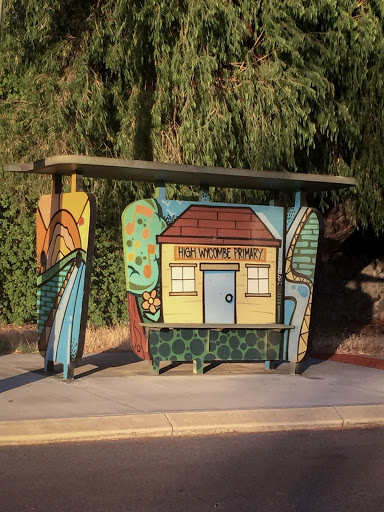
[[302, 239], [64, 241], [142, 221], [205, 281], [210, 281], [218, 266]]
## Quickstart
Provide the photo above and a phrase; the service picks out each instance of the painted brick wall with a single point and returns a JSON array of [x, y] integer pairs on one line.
[[46, 296], [304, 257]]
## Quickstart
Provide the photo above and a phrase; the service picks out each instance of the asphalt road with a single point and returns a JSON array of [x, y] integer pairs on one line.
[[327, 471]]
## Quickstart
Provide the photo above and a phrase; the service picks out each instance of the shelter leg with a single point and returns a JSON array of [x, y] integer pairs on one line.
[[294, 368], [68, 371], [198, 366], [49, 366], [156, 367], [71, 371]]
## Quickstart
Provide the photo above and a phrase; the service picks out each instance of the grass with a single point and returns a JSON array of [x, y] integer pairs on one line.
[[356, 344], [22, 339], [18, 339], [102, 339], [368, 341]]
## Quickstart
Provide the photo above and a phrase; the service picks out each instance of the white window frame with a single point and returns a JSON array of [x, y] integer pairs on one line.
[[182, 285], [258, 276]]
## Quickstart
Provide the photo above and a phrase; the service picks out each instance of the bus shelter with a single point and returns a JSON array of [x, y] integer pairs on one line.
[[205, 281]]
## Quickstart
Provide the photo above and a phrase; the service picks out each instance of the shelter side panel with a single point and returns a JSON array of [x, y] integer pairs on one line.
[[303, 230], [64, 244]]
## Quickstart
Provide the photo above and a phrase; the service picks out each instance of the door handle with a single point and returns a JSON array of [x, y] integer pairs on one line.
[[229, 298]]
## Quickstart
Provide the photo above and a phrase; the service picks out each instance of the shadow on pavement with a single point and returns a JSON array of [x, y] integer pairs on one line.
[[175, 364], [17, 381], [105, 360], [308, 362], [91, 364]]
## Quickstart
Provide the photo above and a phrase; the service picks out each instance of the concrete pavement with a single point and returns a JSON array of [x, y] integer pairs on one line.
[[114, 395]]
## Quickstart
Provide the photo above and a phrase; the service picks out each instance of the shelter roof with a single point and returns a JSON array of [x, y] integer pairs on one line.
[[159, 172]]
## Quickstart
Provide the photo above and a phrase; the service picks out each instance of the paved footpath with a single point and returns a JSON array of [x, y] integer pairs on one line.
[[114, 395]]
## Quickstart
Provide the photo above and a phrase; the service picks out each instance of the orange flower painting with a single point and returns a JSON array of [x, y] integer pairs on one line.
[[151, 301]]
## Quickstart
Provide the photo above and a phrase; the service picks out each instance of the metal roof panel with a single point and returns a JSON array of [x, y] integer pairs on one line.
[[159, 172]]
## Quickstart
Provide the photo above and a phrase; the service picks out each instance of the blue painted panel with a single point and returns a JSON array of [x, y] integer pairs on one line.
[[219, 297], [55, 333], [77, 315], [70, 328]]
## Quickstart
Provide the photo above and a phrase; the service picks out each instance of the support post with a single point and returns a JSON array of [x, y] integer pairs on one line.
[[198, 367], [155, 367], [56, 184], [160, 191], [69, 371], [300, 198], [50, 366], [204, 196], [76, 182], [274, 199], [294, 368]]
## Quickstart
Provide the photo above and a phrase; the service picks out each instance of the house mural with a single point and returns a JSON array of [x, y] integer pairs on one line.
[[218, 266], [208, 281]]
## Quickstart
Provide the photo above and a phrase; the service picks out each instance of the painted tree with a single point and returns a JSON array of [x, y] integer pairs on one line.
[[292, 85]]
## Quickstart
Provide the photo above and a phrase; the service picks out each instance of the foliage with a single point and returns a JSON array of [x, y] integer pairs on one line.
[[294, 85]]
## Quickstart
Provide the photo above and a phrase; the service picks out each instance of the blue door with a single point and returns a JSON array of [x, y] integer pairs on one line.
[[219, 297]]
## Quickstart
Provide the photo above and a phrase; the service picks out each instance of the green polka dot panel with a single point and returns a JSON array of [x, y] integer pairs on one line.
[[205, 345]]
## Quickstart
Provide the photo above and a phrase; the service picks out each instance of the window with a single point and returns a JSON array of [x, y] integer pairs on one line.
[[183, 279], [258, 280]]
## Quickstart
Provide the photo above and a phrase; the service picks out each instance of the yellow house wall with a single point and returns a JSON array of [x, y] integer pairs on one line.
[[189, 308], [256, 310], [180, 308]]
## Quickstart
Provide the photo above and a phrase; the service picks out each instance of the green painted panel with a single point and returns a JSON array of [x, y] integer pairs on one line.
[[206, 345]]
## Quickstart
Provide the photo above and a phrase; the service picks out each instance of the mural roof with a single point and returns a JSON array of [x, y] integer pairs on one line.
[[219, 225]]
